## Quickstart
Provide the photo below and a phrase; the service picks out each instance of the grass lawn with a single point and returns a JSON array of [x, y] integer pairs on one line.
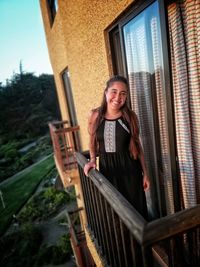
[[17, 192]]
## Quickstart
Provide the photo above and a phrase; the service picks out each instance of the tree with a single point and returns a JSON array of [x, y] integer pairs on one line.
[[27, 103]]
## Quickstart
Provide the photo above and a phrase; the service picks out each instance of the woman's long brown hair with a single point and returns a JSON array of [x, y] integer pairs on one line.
[[127, 114]]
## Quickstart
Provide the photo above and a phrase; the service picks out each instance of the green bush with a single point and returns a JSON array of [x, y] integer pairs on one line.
[[55, 196], [43, 205], [15, 162], [18, 249], [11, 153], [65, 245], [30, 213], [10, 145], [50, 178], [56, 254], [44, 255], [27, 159], [63, 220]]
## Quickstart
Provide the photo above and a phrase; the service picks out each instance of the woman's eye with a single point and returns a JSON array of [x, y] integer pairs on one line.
[[123, 94]]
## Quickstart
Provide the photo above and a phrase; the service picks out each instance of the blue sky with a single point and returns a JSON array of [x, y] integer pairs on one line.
[[22, 38]]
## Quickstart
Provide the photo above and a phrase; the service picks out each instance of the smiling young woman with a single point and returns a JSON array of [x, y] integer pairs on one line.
[[116, 96], [114, 137]]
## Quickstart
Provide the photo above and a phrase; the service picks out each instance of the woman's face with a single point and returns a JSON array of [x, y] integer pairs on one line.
[[116, 95]]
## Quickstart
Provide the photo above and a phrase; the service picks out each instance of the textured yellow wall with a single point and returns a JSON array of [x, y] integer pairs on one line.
[[77, 41]]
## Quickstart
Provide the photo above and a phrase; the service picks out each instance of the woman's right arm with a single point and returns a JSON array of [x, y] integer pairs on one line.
[[92, 162]]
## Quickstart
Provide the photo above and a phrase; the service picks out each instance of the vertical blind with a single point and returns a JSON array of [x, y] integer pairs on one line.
[[184, 30]]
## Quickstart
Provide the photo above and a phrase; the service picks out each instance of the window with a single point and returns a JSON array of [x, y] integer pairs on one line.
[[53, 8], [69, 98], [138, 36]]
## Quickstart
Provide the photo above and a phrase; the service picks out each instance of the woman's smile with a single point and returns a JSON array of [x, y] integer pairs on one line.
[[116, 95]]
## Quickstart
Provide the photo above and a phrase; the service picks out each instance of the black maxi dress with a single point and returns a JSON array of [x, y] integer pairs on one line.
[[117, 164]]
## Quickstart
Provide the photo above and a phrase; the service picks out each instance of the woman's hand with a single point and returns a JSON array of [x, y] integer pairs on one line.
[[88, 166], [146, 183]]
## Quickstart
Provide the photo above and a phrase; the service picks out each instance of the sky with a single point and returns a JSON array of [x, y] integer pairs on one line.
[[22, 38]]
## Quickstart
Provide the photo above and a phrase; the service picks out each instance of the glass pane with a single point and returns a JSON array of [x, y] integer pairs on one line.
[[143, 51]]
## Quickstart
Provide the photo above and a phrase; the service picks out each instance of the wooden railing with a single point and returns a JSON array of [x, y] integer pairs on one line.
[[123, 238], [77, 235], [65, 143]]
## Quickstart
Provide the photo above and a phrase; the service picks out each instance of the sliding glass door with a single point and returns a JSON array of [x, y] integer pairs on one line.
[[143, 52]]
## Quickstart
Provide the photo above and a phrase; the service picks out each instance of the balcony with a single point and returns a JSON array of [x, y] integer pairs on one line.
[[65, 142], [115, 233]]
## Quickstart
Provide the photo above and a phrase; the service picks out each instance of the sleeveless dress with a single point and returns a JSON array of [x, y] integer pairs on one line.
[[117, 164]]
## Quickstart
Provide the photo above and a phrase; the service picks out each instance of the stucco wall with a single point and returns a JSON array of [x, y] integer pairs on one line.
[[77, 41]]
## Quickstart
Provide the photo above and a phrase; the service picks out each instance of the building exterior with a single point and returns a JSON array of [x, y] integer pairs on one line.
[[156, 45]]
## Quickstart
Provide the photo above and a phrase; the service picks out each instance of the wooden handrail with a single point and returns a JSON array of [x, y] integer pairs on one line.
[[131, 218], [171, 225], [55, 123], [145, 233], [66, 130], [52, 126]]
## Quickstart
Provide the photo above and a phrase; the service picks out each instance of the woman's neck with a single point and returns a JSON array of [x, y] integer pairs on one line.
[[113, 114]]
